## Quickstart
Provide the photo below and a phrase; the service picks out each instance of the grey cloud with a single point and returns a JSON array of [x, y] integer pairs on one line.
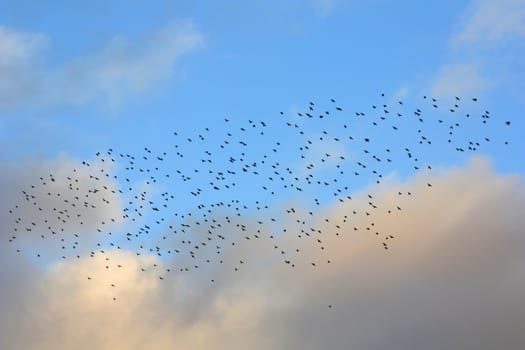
[[450, 279], [69, 198]]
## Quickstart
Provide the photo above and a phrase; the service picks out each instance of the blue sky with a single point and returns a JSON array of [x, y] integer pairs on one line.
[[77, 78], [246, 60], [91, 77]]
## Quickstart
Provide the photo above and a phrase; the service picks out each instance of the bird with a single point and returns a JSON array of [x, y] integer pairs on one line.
[[207, 196]]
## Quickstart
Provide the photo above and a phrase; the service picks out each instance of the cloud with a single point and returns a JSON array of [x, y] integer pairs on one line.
[[19, 65], [64, 197], [119, 70], [460, 79], [493, 21], [401, 93], [452, 278], [324, 7], [17, 47], [486, 47]]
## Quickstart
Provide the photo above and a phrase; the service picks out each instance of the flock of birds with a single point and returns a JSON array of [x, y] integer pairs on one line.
[[207, 192]]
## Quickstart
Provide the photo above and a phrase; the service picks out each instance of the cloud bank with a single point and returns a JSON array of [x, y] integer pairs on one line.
[[452, 279]]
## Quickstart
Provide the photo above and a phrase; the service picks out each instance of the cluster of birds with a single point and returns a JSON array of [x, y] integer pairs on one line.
[[192, 203]]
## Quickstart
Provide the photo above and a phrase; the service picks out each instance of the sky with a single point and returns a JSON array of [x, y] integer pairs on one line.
[[136, 101]]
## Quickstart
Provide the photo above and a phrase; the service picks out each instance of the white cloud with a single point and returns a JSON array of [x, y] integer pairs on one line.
[[459, 79], [19, 65], [121, 69], [493, 21], [401, 93], [16, 48], [452, 278], [486, 47], [324, 7]]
